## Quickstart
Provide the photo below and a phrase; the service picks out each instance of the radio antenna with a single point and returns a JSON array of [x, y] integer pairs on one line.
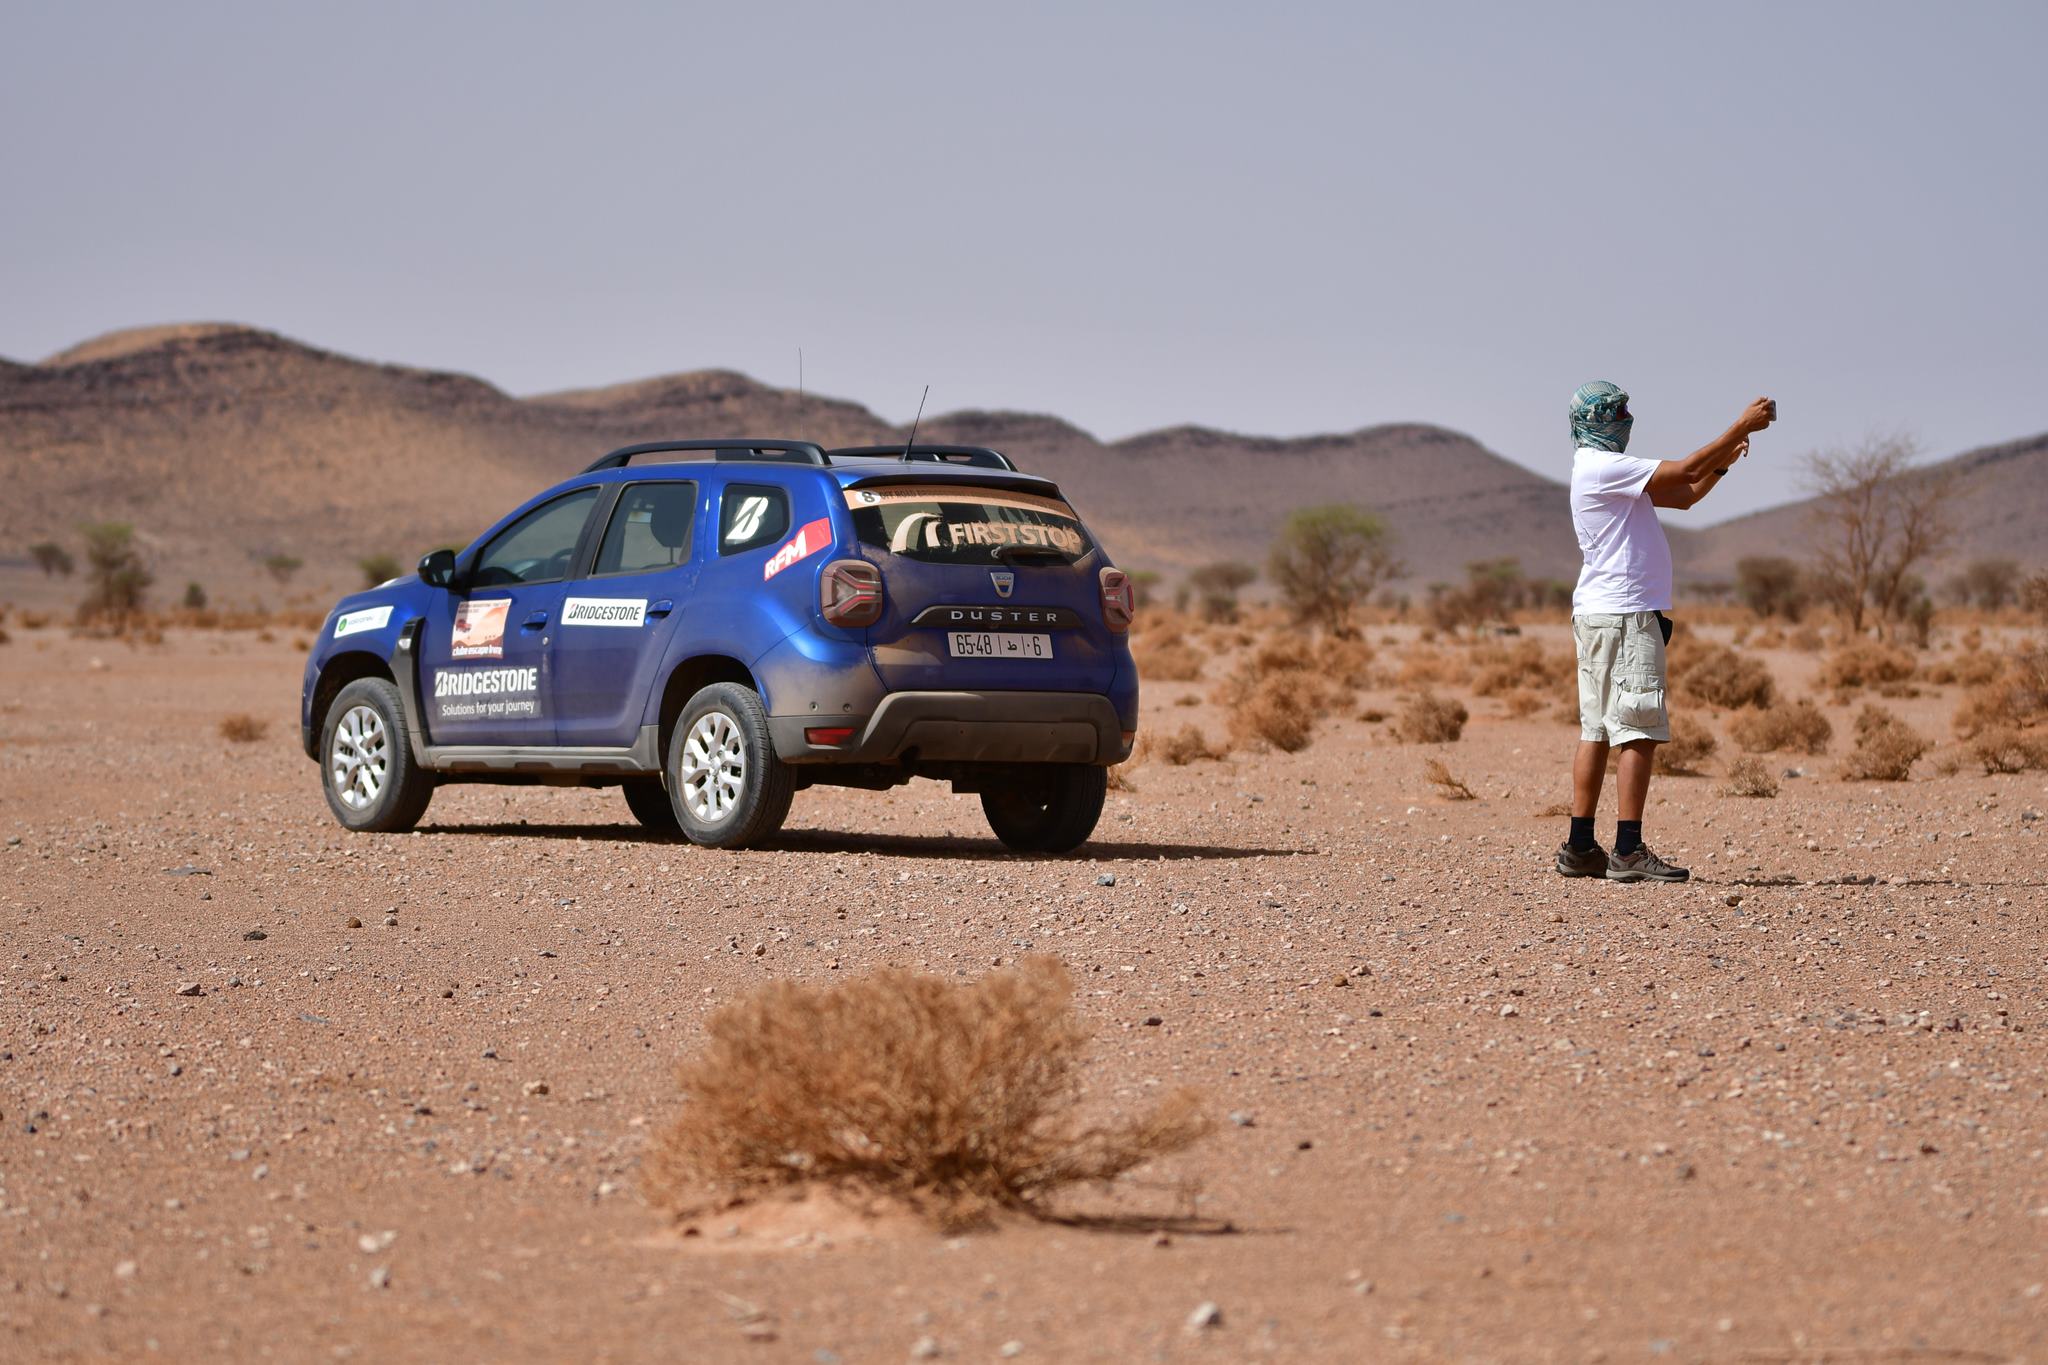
[[799, 383], [915, 420]]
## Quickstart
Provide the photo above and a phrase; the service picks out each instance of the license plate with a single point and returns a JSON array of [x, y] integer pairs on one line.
[[997, 644]]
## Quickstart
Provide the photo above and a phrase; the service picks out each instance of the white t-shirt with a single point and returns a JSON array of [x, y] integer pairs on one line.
[[1628, 561]]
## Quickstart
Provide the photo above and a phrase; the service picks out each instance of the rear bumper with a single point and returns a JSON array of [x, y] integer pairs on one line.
[[966, 727]]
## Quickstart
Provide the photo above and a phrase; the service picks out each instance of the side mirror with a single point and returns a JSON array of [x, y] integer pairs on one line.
[[437, 569]]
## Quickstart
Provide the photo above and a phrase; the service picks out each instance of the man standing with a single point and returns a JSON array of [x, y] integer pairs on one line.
[[1618, 616]]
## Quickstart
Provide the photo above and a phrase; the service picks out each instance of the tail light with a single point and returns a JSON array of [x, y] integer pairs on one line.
[[850, 593], [1119, 600]]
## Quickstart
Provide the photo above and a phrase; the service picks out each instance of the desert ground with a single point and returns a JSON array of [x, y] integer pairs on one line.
[[269, 1090]]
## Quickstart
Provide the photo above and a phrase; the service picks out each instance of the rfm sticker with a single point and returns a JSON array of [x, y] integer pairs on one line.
[[814, 536]]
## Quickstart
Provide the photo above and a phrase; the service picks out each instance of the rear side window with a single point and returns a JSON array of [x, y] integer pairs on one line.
[[965, 524], [752, 515], [650, 529]]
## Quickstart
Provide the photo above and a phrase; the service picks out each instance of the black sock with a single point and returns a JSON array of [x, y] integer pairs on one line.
[[1582, 833], [1628, 836]]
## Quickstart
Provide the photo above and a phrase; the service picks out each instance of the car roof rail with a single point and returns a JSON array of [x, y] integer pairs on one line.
[[746, 448], [980, 457]]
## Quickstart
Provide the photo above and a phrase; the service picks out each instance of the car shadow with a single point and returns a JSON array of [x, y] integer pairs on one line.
[[890, 845]]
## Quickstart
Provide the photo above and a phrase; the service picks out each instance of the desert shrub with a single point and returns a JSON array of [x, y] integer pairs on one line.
[[1800, 726], [378, 569], [1724, 677], [1807, 640], [1747, 776], [2002, 749], [1328, 559], [1886, 747], [1866, 663], [1184, 746], [1499, 668], [1451, 786], [1771, 585], [1346, 662], [1169, 660], [2016, 698], [1215, 587], [5, 638], [52, 558], [116, 577], [1691, 744], [282, 566], [1280, 709], [1427, 718], [1986, 583], [194, 599], [1971, 668], [1525, 701], [1768, 638], [961, 1100], [1425, 666], [242, 729]]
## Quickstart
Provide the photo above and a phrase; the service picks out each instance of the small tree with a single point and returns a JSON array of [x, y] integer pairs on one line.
[[52, 558], [195, 597], [1329, 558], [378, 569], [1986, 583], [1875, 525], [1771, 585], [115, 573], [1216, 586], [282, 567]]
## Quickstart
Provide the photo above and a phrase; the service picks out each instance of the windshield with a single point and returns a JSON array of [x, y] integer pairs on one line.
[[963, 524]]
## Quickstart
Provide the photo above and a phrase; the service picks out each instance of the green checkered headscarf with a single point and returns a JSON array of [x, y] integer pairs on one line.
[[1598, 418]]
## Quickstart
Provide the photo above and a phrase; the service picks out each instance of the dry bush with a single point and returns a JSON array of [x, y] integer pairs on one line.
[[1118, 780], [34, 620], [1971, 668], [1800, 726], [1348, 662], [1281, 710], [1720, 676], [2016, 698], [1807, 640], [1865, 663], [1427, 718], [959, 1099], [1524, 701], [1169, 661], [1424, 666], [2003, 749], [1768, 638], [1691, 744], [243, 729], [1184, 746], [1886, 748], [1526, 663], [1452, 787], [1747, 776], [5, 638]]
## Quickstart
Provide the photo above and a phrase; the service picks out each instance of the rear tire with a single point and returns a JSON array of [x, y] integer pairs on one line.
[[648, 800], [366, 767], [1047, 807], [725, 784]]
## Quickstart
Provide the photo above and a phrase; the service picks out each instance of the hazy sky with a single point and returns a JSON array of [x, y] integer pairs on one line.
[[1272, 218]]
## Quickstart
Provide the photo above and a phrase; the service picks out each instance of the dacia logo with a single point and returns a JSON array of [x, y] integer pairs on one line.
[[1005, 581]]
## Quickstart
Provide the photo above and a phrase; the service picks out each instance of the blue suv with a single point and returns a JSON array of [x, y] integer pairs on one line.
[[714, 625]]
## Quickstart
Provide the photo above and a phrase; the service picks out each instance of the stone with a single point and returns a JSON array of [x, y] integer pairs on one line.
[[1106, 879], [1205, 1316], [354, 923], [1243, 1119], [925, 1348], [191, 988], [380, 1278], [1153, 1021], [535, 1088], [254, 936]]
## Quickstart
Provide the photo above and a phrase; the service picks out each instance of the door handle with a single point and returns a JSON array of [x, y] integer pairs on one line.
[[536, 620], [661, 608]]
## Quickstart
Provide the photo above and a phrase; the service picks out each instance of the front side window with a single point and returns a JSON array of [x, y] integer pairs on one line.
[[965, 524], [537, 548], [650, 529], [753, 514]]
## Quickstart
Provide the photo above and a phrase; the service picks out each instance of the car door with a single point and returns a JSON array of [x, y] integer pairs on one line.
[[617, 622], [484, 676]]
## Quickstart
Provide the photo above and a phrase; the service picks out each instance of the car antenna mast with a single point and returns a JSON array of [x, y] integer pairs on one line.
[[915, 420]]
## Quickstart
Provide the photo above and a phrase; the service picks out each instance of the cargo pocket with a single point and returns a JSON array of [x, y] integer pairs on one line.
[[1638, 705]]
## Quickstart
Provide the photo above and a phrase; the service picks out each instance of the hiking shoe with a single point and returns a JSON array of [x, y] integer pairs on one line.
[[1573, 863], [1643, 866]]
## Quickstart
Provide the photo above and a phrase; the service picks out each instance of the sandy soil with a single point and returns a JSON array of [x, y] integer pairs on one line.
[[1475, 1112]]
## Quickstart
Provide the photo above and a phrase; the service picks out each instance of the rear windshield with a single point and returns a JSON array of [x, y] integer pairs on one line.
[[963, 524]]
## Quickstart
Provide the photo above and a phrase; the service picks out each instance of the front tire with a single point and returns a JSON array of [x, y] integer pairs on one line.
[[725, 784], [648, 800], [1047, 807], [366, 765]]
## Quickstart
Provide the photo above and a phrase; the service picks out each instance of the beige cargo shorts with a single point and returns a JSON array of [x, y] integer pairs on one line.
[[1621, 678]]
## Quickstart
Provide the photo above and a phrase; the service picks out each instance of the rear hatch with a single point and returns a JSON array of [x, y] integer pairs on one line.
[[985, 587]]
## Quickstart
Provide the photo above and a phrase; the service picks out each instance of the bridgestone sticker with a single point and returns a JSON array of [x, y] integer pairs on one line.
[[479, 629], [486, 693], [604, 611], [815, 536], [356, 622]]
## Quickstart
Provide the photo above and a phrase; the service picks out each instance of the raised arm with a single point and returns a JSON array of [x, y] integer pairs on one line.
[[1681, 483]]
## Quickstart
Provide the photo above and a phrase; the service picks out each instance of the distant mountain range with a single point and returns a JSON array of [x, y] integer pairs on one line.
[[225, 445]]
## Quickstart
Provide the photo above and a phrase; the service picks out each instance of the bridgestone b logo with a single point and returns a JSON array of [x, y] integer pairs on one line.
[[485, 682]]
